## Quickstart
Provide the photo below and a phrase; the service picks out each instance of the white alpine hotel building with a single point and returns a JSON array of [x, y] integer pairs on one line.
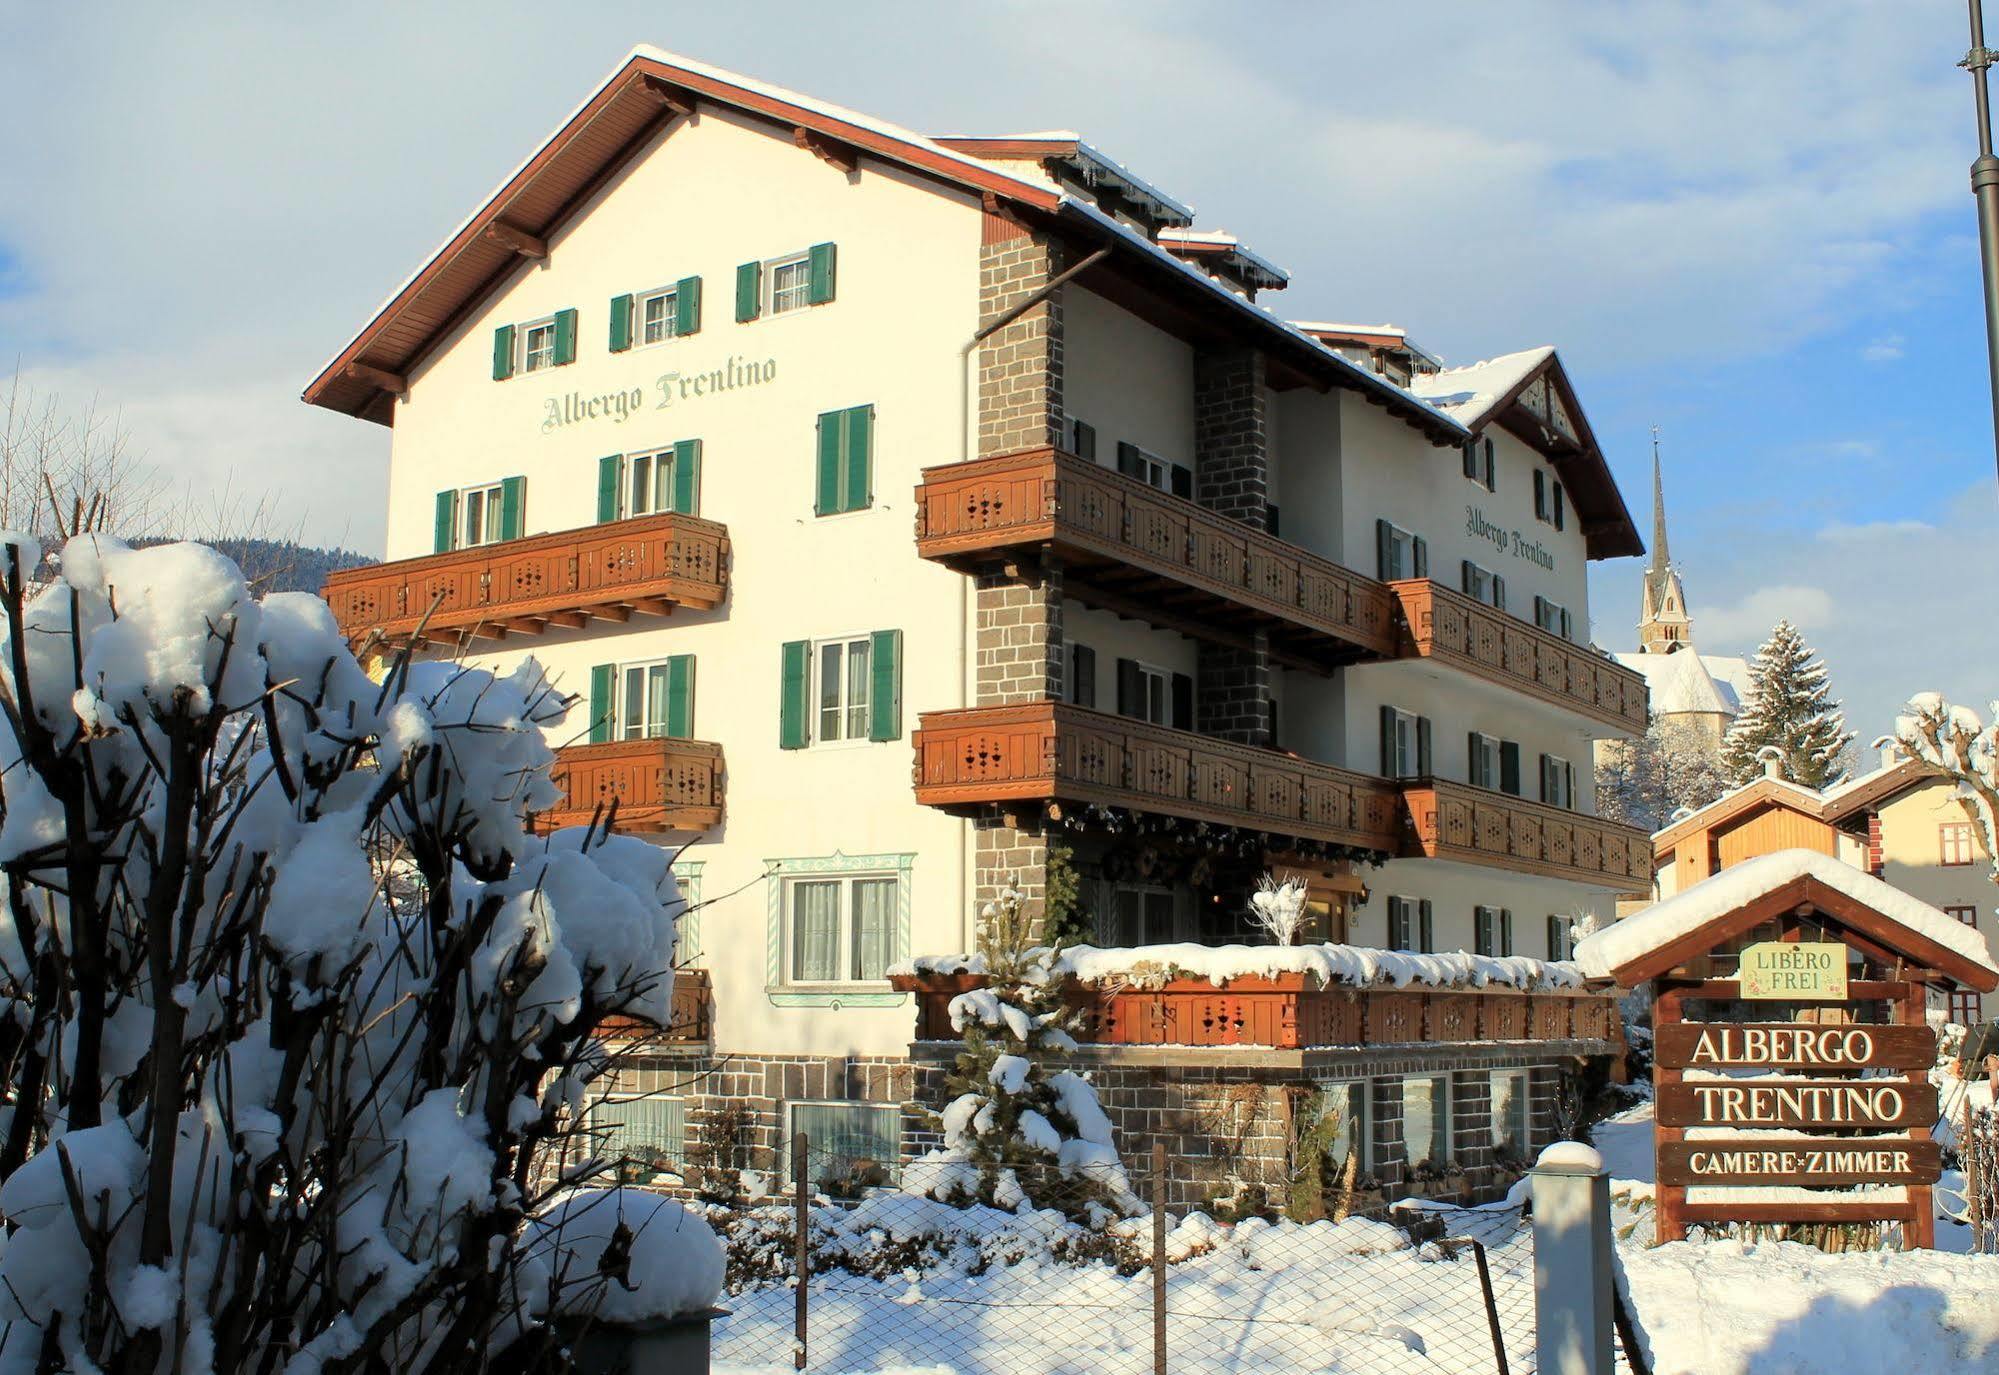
[[900, 508]]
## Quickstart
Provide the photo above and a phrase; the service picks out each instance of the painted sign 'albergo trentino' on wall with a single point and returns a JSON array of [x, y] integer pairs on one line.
[[668, 389]]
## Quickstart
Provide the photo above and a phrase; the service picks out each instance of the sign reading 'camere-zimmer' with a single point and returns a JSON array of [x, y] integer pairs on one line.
[[1793, 1045], [1807, 1163], [1798, 970], [1865, 1104]]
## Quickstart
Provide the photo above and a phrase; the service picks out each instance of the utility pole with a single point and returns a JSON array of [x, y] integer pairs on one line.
[[1985, 186]]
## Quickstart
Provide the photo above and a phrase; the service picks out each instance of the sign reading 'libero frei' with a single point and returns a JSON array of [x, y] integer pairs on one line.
[[1797, 970], [668, 390], [1507, 541]]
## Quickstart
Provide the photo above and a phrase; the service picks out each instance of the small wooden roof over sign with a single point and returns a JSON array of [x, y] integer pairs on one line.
[[1881, 921]]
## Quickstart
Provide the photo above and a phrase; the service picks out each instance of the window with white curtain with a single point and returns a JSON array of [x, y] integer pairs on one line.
[[850, 1146], [1426, 1120], [1509, 1113], [841, 928], [645, 1135]]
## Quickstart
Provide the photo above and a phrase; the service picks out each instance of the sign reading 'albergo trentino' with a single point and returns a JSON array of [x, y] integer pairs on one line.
[[668, 389]]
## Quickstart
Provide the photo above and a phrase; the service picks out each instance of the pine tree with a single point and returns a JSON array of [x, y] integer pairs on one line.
[[1792, 709]]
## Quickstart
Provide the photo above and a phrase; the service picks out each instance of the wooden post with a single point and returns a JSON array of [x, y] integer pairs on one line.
[[1491, 1306], [802, 1246], [1668, 1225], [1921, 1228], [1967, 1156], [1159, 1258]]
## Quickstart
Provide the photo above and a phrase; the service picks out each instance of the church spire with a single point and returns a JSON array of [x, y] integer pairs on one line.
[[1663, 626]]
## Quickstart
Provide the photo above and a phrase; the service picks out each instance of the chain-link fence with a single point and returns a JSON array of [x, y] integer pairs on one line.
[[1977, 1144], [1100, 1274]]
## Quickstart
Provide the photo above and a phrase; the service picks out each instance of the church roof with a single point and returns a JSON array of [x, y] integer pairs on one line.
[[1686, 682]]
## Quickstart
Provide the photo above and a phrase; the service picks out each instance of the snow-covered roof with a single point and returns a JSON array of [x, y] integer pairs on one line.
[[1686, 682], [1471, 395], [1253, 266], [1087, 163], [1623, 943]]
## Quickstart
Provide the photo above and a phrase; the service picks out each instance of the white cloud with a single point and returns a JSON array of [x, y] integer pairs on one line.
[[1885, 349], [1749, 619], [1843, 533]]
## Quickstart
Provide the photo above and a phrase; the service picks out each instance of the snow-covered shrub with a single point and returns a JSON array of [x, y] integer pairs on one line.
[[301, 1013], [1278, 908], [1021, 1133]]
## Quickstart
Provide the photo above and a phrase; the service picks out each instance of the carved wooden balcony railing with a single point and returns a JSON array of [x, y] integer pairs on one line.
[[690, 1022], [1451, 628], [657, 784], [1131, 548], [1292, 1012], [648, 565], [1477, 826], [1052, 751]]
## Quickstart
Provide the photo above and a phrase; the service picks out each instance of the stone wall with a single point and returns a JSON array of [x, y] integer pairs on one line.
[[1020, 366]]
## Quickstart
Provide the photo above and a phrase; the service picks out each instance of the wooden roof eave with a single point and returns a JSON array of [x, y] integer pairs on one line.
[[1881, 931]]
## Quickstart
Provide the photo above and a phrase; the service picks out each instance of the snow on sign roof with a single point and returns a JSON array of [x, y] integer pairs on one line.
[[1472, 394], [1629, 950]]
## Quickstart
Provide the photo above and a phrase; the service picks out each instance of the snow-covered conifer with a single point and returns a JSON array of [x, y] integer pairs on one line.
[[1791, 707]]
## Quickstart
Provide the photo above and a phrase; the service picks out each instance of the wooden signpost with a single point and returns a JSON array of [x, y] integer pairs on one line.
[[1827, 1097]]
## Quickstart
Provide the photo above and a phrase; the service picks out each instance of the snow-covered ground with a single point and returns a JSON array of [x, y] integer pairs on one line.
[[1289, 1299]]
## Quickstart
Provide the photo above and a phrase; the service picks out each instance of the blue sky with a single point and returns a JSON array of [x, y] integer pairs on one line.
[[1749, 225]]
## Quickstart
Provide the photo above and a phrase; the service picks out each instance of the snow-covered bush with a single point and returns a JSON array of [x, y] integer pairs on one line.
[[300, 1010], [1278, 908], [1020, 1132]]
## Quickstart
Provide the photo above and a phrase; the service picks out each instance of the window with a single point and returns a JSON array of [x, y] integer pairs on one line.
[[481, 515], [1967, 1009], [1558, 782], [1143, 915], [1426, 1121], [1954, 839], [650, 482], [647, 1136], [1081, 438], [784, 284], [1967, 915], [1082, 678], [1146, 692], [1492, 930], [1482, 761], [1405, 744], [1548, 499], [1399, 554], [846, 446], [659, 316], [1478, 462], [1411, 925], [1484, 585], [657, 699], [850, 1147], [1347, 1103], [538, 345], [1552, 617], [841, 689], [1149, 468], [1510, 1140], [841, 928], [1561, 938]]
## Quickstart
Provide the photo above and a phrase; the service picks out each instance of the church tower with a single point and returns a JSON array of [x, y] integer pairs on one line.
[[1663, 624]]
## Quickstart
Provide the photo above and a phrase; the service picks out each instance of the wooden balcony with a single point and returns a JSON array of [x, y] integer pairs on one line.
[[1050, 751], [1131, 548], [1451, 628], [657, 785], [1293, 1012], [1476, 826], [690, 1019], [647, 566]]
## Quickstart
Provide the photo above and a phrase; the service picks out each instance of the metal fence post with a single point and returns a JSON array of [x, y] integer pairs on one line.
[[1491, 1306], [1159, 1258], [801, 1246], [1572, 1261]]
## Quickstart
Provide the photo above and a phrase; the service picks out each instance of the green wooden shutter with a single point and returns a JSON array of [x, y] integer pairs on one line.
[[687, 306], [503, 353], [1471, 760], [1388, 742], [447, 521], [1498, 593], [1426, 924], [680, 696], [1130, 688], [565, 336], [1506, 931], [1469, 452], [1540, 495], [687, 476], [826, 489], [749, 291], [603, 680], [1181, 714], [513, 496], [885, 685], [1423, 769], [1509, 767], [1554, 938], [1084, 439], [819, 289], [1569, 786], [1083, 673], [859, 458], [1546, 773], [621, 323], [610, 473], [1491, 470], [1130, 461], [1481, 930], [1558, 504], [1420, 555], [794, 686], [1384, 551]]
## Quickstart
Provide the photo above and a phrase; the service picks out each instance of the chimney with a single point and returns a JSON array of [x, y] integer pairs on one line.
[[1773, 761]]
